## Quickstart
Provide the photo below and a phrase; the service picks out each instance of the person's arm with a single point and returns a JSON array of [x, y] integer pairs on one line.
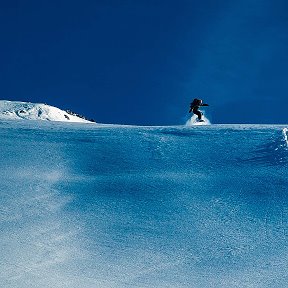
[[204, 105]]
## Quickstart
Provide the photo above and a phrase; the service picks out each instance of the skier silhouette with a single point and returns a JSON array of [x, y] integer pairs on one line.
[[194, 107]]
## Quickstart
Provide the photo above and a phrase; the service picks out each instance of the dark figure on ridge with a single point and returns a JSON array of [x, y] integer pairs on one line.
[[194, 107]]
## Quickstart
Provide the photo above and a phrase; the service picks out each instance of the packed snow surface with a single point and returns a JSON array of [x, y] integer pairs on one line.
[[14, 110], [113, 206]]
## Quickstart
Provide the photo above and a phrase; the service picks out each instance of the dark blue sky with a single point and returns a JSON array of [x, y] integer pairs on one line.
[[141, 62]]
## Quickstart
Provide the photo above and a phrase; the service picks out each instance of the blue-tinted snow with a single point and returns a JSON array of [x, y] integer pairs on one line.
[[111, 206]]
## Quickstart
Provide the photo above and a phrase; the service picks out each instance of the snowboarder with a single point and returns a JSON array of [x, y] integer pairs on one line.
[[194, 107]]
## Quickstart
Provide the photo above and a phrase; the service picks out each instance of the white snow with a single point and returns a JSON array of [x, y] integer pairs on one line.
[[193, 121], [285, 136], [116, 207], [15, 110]]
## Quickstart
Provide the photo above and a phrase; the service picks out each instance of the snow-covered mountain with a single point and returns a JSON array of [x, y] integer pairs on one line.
[[14, 110], [105, 206]]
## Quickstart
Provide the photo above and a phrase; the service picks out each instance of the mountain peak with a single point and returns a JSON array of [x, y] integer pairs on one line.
[[16, 110]]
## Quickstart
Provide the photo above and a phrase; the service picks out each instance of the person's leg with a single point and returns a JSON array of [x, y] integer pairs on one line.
[[198, 113]]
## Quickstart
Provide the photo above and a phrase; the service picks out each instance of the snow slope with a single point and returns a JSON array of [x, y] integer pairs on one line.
[[13, 110], [114, 206]]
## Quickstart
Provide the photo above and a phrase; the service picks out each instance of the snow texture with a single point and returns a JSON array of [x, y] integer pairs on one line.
[[122, 206], [13, 110]]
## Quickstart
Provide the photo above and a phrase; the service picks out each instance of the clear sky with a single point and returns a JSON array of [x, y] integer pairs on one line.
[[142, 62]]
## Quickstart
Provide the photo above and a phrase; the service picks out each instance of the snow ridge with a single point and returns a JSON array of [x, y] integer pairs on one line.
[[16, 110]]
